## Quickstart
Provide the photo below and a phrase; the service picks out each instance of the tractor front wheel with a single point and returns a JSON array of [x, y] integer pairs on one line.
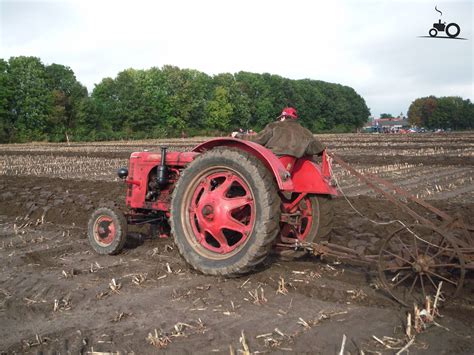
[[225, 212], [107, 231]]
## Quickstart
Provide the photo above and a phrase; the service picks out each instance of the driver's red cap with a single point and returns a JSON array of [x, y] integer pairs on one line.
[[290, 112]]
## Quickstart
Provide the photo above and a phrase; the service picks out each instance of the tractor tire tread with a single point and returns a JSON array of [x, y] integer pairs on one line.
[[121, 229], [326, 217], [265, 185]]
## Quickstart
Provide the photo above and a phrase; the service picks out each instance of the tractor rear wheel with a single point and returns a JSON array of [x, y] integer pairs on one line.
[[225, 212], [107, 231], [315, 218], [456, 31]]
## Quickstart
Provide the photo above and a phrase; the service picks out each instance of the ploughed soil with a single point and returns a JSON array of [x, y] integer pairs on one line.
[[58, 296]]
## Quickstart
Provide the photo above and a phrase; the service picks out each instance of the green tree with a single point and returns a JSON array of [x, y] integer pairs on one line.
[[98, 116], [261, 106], [187, 92], [414, 113], [467, 116], [444, 112], [31, 99], [386, 115], [240, 102], [7, 113], [420, 112], [219, 110], [67, 97], [427, 109], [309, 99]]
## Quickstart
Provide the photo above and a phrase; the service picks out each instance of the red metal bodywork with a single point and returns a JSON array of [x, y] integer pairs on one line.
[[292, 175], [304, 176], [308, 177], [269, 159], [141, 164]]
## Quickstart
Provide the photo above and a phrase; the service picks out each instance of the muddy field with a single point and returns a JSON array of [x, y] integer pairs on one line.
[[57, 296]]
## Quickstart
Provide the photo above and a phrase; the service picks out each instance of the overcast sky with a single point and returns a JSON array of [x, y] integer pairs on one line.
[[372, 46]]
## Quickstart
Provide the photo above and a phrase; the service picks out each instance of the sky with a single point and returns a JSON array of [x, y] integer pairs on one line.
[[376, 47]]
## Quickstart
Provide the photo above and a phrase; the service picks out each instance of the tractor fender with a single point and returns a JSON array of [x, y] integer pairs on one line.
[[266, 156], [309, 177]]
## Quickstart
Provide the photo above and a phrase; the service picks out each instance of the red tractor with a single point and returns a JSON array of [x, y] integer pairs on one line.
[[227, 203]]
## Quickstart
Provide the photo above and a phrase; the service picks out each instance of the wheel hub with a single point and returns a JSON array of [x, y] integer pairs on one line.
[[104, 230], [411, 267], [423, 263], [208, 212], [222, 212]]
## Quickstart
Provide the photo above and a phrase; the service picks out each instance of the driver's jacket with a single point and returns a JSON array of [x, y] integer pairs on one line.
[[286, 138]]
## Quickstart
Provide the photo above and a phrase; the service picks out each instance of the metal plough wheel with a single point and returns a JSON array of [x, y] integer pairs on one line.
[[415, 259]]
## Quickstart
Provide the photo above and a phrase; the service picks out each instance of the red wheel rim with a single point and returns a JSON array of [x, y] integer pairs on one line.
[[104, 230], [290, 233], [221, 213]]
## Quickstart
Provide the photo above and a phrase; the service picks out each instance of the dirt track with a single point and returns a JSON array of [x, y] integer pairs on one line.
[[46, 258]]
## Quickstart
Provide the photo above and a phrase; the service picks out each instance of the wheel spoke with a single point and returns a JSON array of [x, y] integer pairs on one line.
[[235, 225], [192, 210], [397, 256], [433, 243], [220, 237], [407, 249], [205, 184], [203, 222], [237, 202], [442, 277], [221, 190], [415, 245], [431, 280], [202, 191], [403, 279], [453, 265], [413, 285], [427, 246], [395, 268], [299, 229], [441, 249], [422, 286], [200, 237]]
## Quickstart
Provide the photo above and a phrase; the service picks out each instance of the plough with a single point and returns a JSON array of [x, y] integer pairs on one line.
[[416, 257]]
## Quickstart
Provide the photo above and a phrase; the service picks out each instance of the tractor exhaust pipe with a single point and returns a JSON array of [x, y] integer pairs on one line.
[[162, 169]]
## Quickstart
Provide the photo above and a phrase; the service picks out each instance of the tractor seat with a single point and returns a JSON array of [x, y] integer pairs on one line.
[[288, 162]]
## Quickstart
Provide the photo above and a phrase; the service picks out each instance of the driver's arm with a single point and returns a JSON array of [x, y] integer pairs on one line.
[[261, 138], [315, 147]]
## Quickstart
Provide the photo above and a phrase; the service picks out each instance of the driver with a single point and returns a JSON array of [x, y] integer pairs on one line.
[[286, 136]]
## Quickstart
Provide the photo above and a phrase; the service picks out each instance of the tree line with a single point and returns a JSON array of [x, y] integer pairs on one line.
[[41, 102], [442, 112]]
